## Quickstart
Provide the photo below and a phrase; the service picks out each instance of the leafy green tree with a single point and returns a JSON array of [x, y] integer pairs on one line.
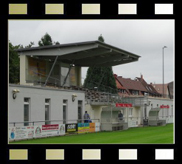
[[56, 43], [100, 77], [14, 64], [30, 45], [45, 40]]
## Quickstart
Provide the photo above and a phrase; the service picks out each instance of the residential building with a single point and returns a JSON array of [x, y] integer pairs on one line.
[[168, 89]]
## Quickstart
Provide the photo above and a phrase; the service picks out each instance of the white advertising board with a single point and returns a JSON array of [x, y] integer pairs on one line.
[[12, 133], [49, 130], [37, 131], [23, 132]]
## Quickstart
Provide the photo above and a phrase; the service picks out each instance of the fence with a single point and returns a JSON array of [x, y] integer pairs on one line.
[[46, 122]]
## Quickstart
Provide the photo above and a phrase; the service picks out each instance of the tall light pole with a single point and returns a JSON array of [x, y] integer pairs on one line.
[[163, 68]]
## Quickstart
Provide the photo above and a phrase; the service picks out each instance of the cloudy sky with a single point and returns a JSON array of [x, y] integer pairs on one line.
[[142, 37]]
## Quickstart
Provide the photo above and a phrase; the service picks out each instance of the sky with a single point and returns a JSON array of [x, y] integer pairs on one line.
[[145, 38]]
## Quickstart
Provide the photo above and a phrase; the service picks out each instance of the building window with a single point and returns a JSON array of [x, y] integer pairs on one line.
[[47, 111], [79, 111], [134, 92], [65, 102], [26, 111]]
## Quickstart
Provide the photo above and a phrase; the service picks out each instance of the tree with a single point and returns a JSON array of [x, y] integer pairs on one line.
[[100, 38], [30, 45], [56, 43], [14, 64], [45, 40], [100, 77]]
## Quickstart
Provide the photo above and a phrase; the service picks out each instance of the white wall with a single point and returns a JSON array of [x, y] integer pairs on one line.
[[37, 103], [94, 111], [154, 103]]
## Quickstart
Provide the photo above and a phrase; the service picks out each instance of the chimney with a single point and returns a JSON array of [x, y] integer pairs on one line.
[[115, 75], [141, 76]]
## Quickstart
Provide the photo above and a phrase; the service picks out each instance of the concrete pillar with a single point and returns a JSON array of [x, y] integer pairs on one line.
[[23, 67]]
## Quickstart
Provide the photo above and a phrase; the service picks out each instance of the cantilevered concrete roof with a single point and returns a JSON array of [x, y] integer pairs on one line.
[[84, 54]]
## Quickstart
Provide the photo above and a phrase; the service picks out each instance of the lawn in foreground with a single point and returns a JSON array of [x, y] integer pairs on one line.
[[141, 135]]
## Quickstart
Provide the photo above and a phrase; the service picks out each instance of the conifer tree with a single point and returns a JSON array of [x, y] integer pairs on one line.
[[100, 77]]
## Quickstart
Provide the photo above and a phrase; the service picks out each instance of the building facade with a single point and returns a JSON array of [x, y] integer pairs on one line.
[[39, 106]]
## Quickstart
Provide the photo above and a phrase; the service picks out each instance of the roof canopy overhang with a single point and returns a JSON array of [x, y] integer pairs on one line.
[[83, 54]]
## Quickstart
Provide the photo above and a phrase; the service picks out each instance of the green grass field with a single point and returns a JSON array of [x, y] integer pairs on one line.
[[141, 135]]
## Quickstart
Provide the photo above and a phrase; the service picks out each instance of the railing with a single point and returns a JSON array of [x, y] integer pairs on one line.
[[93, 94], [29, 123]]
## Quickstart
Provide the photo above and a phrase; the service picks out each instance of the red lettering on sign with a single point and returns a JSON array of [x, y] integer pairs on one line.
[[123, 105], [164, 106]]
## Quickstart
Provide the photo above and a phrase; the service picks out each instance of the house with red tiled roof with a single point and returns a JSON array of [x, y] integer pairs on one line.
[[150, 89], [128, 87], [168, 89], [131, 87]]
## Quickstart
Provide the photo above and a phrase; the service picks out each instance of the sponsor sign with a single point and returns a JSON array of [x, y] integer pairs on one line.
[[27, 132], [164, 106], [97, 127], [71, 128], [123, 105], [83, 127], [30, 131], [62, 129], [92, 127], [23, 132], [50, 130], [37, 131], [12, 133]]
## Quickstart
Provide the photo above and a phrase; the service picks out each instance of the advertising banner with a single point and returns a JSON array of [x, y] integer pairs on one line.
[[50, 130], [92, 127], [28, 132], [12, 133], [71, 128], [61, 129], [97, 126], [83, 127], [123, 105], [37, 131], [23, 132]]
